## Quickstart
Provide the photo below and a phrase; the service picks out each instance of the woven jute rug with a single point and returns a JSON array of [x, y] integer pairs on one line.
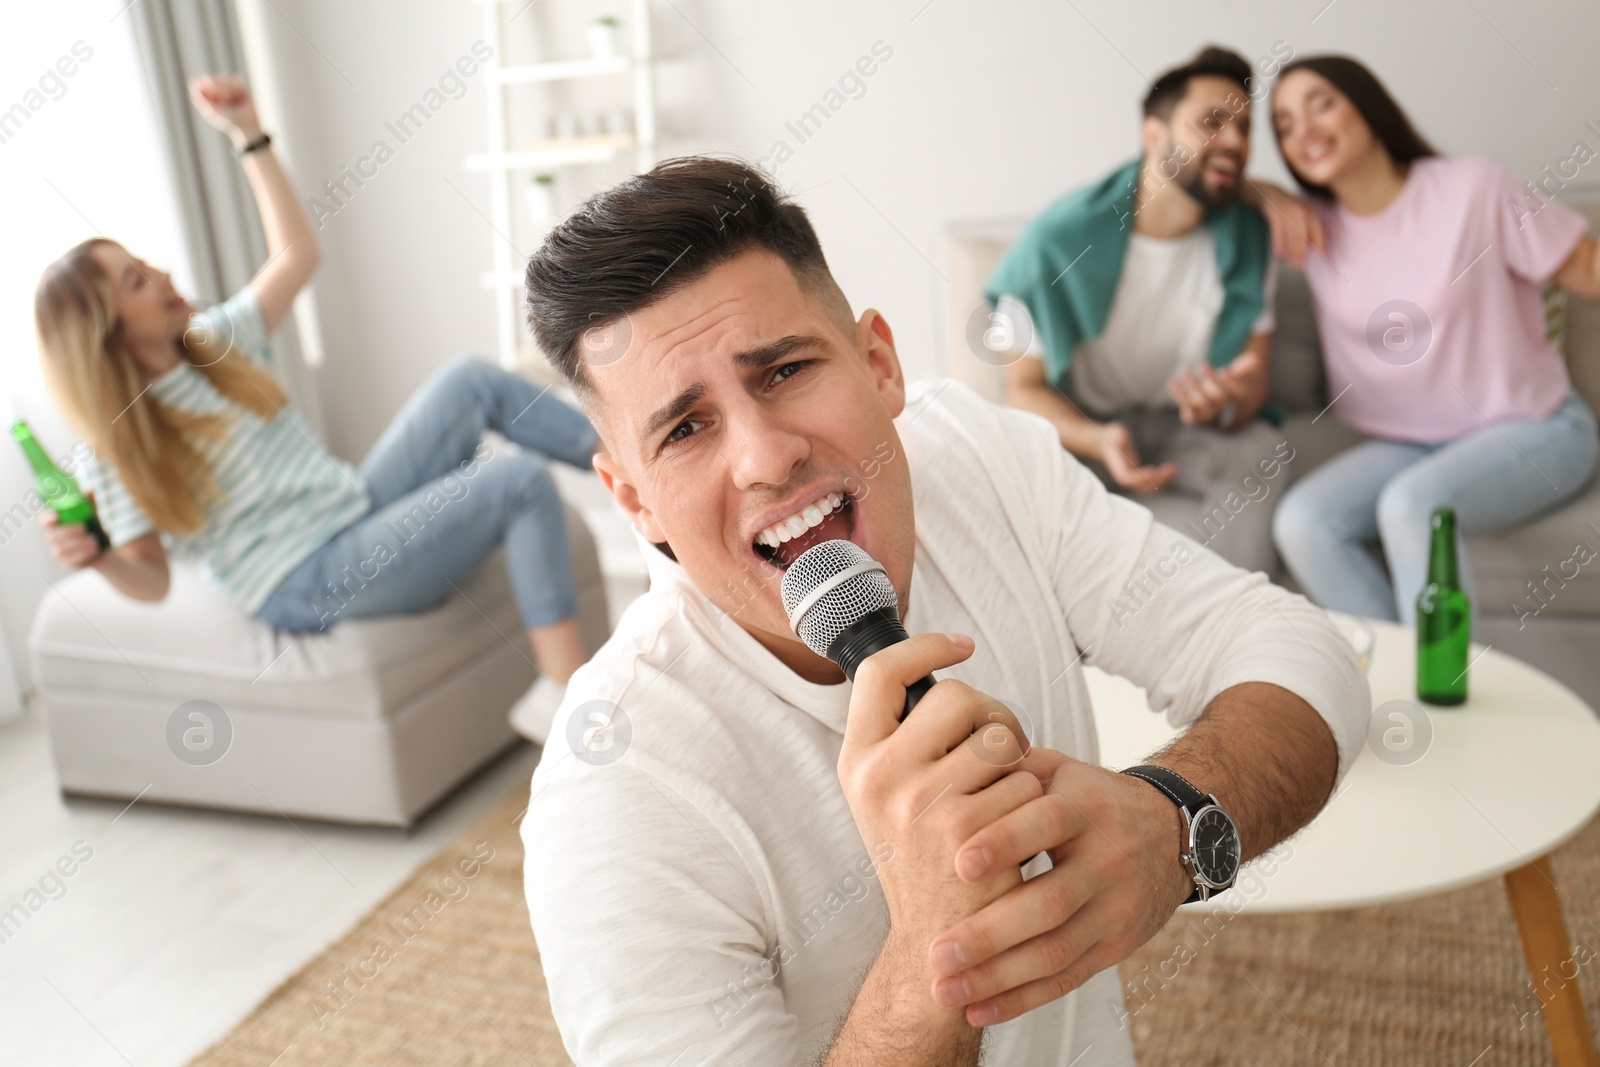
[[446, 972]]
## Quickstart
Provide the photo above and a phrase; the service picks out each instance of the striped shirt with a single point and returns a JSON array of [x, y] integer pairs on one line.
[[282, 494]]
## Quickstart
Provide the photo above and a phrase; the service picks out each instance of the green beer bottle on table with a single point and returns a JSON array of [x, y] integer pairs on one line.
[[57, 487], [1444, 625]]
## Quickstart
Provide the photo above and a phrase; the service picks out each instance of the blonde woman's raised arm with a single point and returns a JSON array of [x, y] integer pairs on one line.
[[292, 251]]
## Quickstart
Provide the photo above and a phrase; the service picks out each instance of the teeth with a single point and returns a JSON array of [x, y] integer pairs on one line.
[[804, 519]]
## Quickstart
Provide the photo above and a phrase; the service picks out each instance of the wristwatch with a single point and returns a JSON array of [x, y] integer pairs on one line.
[[1212, 859]]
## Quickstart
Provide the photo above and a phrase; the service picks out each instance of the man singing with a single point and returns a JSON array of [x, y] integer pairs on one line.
[[736, 856]]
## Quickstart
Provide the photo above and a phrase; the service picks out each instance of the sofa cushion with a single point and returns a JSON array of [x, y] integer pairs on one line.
[[1297, 383], [1550, 551], [87, 636], [1317, 437]]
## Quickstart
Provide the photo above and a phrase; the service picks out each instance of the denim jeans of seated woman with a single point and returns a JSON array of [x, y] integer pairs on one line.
[[443, 499], [1494, 478]]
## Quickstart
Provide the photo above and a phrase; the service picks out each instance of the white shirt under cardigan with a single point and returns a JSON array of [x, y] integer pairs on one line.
[[1162, 317], [707, 898]]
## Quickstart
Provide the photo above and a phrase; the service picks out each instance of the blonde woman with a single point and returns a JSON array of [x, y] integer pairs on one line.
[[199, 450]]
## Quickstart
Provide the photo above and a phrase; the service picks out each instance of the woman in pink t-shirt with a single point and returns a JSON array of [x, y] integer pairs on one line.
[[1433, 333]]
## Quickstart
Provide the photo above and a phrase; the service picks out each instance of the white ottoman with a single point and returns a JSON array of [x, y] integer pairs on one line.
[[191, 701]]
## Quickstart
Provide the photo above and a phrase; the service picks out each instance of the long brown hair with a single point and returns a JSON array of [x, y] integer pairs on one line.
[[95, 380], [1382, 114]]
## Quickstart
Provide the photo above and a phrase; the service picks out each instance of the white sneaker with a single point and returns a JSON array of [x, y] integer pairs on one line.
[[532, 715]]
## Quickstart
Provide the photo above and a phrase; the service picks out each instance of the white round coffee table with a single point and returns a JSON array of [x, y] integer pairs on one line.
[[1439, 798]]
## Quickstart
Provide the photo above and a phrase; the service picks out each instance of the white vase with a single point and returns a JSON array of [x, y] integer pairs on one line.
[[604, 39], [541, 200]]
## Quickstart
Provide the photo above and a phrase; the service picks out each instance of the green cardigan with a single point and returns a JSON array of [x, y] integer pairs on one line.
[[1066, 265]]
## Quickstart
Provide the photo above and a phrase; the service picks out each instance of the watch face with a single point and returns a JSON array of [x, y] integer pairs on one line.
[[1216, 847]]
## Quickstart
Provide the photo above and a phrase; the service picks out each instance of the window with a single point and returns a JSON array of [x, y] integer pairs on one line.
[[78, 157]]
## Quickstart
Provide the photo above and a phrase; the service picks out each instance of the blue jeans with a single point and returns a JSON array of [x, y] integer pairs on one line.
[[1385, 490], [442, 500]]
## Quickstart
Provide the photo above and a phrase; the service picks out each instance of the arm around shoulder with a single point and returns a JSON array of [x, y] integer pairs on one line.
[[1580, 274]]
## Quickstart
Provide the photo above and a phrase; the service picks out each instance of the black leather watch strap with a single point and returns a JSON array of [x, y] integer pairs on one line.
[[1179, 790]]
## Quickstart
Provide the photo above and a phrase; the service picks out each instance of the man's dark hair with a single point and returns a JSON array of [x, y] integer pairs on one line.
[[637, 242], [1169, 89], [1381, 112]]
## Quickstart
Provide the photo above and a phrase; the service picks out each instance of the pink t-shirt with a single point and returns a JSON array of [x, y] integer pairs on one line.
[[1429, 310]]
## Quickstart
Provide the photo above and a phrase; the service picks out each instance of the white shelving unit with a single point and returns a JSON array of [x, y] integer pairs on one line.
[[511, 158]]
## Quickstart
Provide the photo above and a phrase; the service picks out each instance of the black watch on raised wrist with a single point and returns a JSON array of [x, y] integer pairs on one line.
[[1213, 850], [255, 144]]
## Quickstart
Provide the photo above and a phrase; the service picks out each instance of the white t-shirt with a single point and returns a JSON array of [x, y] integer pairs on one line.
[[1161, 319], [707, 898]]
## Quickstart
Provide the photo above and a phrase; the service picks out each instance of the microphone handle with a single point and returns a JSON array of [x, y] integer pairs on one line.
[[873, 632], [915, 692]]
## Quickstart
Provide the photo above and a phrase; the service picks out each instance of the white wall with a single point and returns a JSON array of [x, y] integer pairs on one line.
[[984, 110]]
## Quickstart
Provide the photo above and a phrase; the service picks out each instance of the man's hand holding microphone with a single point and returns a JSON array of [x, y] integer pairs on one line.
[[946, 776], [925, 787], [963, 799]]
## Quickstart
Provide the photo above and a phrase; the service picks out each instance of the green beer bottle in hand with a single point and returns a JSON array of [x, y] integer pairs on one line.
[[1444, 625], [57, 487]]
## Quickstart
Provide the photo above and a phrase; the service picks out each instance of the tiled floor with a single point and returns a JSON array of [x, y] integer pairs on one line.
[[175, 923]]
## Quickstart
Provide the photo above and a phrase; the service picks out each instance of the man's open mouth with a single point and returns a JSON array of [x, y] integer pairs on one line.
[[824, 519], [1224, 167]]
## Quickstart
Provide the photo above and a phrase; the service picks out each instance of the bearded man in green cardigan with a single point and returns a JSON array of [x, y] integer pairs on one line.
[[1138, 317]]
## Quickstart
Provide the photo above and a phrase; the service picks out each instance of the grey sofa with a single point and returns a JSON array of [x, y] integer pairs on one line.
[[1562, 638]]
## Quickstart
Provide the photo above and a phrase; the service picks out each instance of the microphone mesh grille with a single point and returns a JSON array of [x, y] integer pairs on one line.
[[841, 605]]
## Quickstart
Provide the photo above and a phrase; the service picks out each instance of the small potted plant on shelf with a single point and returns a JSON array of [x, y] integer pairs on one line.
[[541, 199]]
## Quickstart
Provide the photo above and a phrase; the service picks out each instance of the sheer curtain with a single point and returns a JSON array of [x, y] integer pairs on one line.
[[176, 40]]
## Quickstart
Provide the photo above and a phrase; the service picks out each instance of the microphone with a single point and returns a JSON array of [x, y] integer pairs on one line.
[[841, 604]]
